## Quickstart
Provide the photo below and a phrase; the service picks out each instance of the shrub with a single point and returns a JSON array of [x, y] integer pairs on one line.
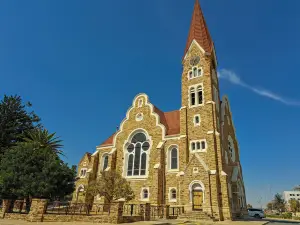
[[287, 215], [296, 218]]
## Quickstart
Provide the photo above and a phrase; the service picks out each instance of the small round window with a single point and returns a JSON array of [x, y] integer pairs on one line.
[[139, 117]]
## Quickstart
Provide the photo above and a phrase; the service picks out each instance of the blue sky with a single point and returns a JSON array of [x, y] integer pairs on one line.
[[81, 63]]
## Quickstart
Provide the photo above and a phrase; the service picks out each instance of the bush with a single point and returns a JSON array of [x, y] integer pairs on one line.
[[274, 216], [296, 218], [287, 215]]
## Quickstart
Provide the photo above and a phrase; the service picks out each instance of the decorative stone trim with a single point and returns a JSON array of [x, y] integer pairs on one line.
[[180, 174], [112, 151], [223, 173], [213, 172], [157, 166], [210, 132], [210, 102]]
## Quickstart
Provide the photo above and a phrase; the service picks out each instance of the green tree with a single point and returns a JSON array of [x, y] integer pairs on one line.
[[295, 205], [112, 186], [279, 203], [29, 170], [16, 119], [43, 139], [270, 206]]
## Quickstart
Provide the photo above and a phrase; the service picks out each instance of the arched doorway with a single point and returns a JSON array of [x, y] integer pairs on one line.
[[197, 195], [80, 194]]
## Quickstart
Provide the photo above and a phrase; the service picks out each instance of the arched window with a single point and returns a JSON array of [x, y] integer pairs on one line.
[[200, 95], [173, 194], [104, 162], [231, 148], [193, 96], [174, 159], [145, 194], [137, 155]]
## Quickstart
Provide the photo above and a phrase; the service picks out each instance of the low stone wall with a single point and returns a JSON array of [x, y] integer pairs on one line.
[[131, 219], [15, 216], [80, 218]]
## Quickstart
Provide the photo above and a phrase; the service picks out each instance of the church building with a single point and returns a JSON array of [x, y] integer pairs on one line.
[[187, 157]]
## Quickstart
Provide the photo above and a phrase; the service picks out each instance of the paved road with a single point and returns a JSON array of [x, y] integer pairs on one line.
[[282, 222]]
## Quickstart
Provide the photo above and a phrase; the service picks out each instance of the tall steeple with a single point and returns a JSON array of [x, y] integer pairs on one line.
[[199, 31]]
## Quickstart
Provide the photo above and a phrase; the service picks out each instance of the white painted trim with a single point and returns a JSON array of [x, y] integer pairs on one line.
[[172, 137], [125, 153], [95, 153], [192, 70], [170, 194], [202, 188], [213, 172], [196, 86], [197, 44], [210, 102], [168, 163], [194, 120], [183, 107], [181, 173], [160, 144], [104, 147], [83, 173], [142, 194], [147, 103], [223, 173], [201, 161], [156, 166], [198, 150], [112, 151]]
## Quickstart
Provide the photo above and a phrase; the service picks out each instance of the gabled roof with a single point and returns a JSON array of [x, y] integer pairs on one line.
[[199, 31], [171, 120]]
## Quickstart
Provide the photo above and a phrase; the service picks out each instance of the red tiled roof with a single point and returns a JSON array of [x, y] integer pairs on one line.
[[199, 30], [171, 120]]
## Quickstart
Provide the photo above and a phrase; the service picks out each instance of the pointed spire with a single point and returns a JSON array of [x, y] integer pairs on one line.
[[199, 30]]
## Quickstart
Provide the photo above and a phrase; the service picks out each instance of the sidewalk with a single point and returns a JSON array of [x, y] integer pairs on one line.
[[161, 222]]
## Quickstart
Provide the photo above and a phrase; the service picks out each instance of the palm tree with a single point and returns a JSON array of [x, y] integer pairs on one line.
[[43, 139]]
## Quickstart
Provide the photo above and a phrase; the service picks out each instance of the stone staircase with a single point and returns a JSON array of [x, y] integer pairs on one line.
[[195, 215]]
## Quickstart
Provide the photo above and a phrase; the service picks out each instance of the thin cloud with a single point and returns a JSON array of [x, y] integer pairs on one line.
[[235, 79]]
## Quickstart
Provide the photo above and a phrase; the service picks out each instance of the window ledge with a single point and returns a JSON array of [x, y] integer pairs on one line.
[[194, 106], [136, 177], [144, 199], [173, 170], [172, 200], [195, 151]]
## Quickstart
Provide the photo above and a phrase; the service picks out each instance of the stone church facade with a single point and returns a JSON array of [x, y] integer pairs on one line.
[[188, 157]]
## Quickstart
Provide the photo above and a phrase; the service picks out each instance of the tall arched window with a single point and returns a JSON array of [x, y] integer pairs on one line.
[[200, 95], [104, 162], [137, 155], [193, 96], [173, 158], [231, 148]]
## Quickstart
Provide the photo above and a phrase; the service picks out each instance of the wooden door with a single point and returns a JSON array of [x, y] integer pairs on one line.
[[197, 200]]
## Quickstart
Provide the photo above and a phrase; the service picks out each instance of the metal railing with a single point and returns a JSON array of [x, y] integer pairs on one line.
[[175, 211], [134, 209], [157, 211], [68, 208]]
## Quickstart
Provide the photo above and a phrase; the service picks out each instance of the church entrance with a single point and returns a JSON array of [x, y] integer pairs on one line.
[[197, 200], [197, 196]]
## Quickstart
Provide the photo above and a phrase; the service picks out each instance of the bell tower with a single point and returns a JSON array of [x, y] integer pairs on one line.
[[200, 109]]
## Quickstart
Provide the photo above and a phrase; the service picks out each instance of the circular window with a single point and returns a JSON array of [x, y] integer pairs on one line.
[[146, 146], [139, 117]]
